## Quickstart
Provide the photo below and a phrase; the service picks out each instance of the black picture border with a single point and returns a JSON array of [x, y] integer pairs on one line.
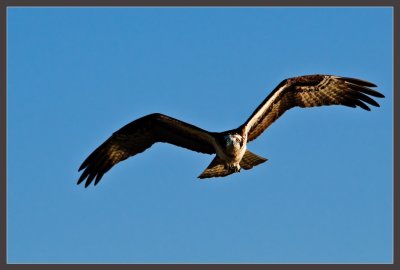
[[190, 3]]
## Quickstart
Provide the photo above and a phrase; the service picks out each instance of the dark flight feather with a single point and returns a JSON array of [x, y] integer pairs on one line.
[[310, 91], [140, 135]]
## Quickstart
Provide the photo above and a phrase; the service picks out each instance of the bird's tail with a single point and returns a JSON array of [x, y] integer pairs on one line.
[[216, 169], [250, 160], [217, 166]]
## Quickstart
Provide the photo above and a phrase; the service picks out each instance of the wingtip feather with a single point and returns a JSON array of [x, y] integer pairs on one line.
[[358, 81]]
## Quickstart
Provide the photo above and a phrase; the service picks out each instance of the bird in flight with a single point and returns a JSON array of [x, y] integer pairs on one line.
[[229, 146]]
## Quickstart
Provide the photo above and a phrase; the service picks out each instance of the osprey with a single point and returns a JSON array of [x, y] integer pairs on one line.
[[229, 146]]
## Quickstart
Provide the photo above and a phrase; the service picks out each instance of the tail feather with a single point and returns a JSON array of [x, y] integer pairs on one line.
[[215, 169], [250, 160], [217, 165]]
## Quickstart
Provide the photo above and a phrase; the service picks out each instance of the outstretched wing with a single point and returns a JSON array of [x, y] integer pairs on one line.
[[139, 135], [309, 91]]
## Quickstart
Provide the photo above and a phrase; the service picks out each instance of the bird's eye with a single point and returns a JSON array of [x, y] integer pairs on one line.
[[237, 139]]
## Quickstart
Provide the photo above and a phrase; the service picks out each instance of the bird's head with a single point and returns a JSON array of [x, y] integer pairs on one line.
[[233, 141]]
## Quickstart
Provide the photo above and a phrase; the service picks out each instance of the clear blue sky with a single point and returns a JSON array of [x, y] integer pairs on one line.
[[75, 75]]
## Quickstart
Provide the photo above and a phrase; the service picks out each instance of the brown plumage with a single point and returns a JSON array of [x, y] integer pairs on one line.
[[217, 168], [230, 146], [310, 91], [139, 135]]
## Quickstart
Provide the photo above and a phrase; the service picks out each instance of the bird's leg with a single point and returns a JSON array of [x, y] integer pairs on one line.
[[236, 167], [233, 167]]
